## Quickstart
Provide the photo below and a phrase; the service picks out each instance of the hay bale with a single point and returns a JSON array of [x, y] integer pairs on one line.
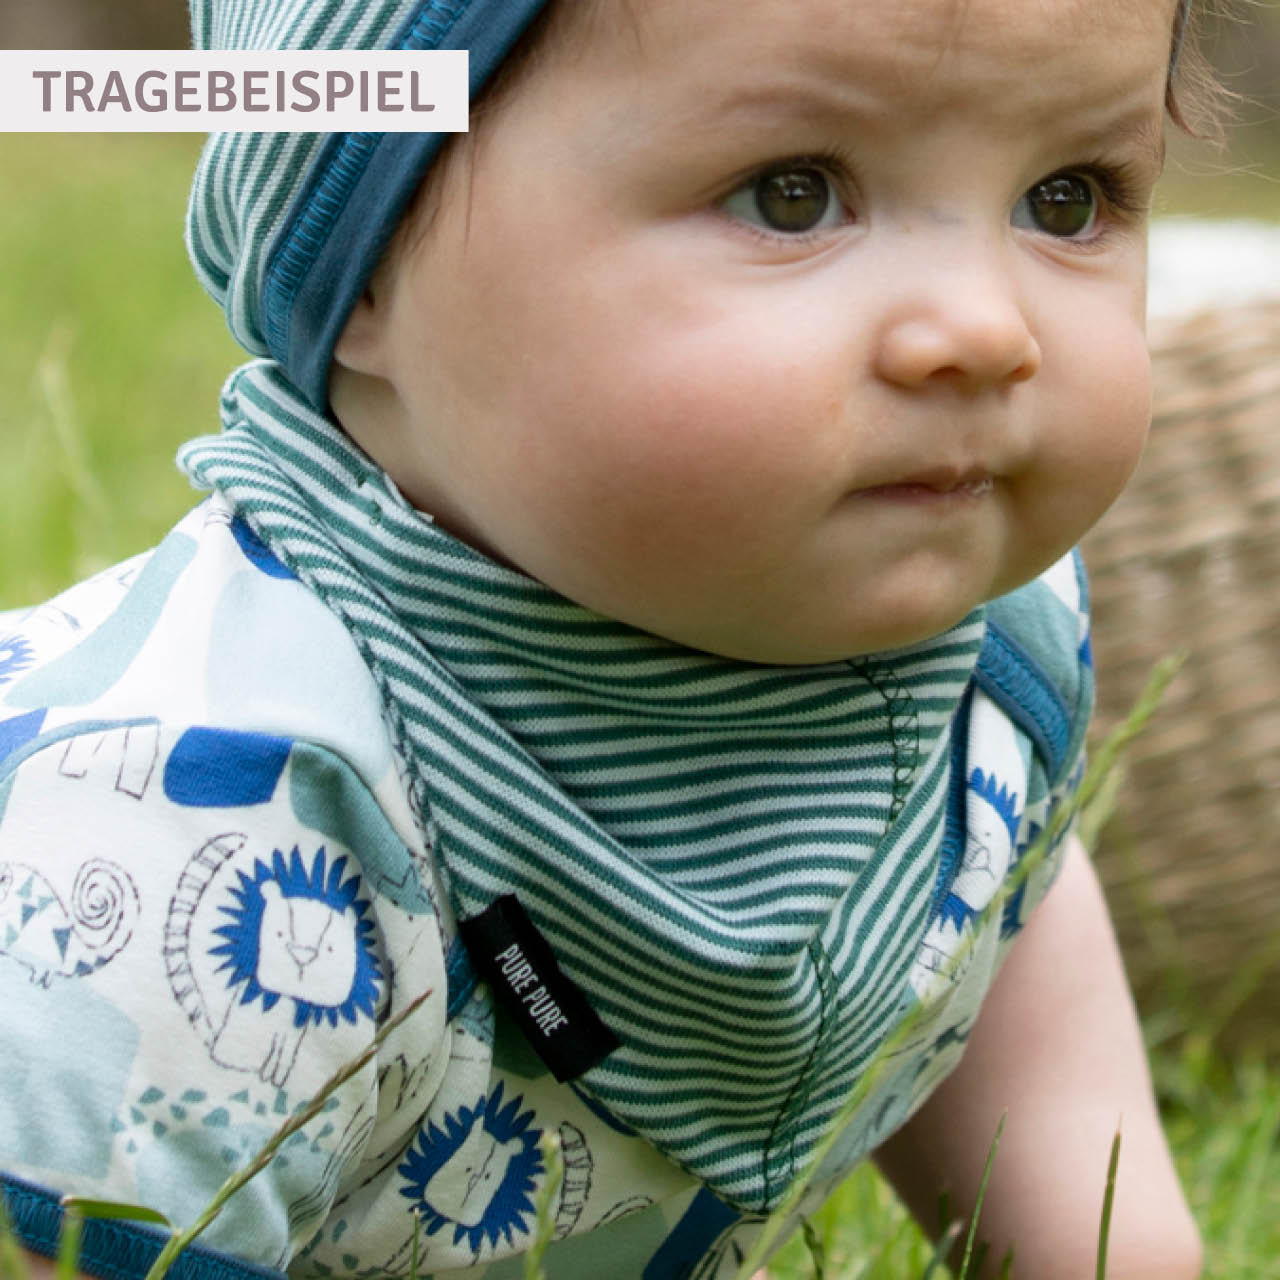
[[1189, 559]]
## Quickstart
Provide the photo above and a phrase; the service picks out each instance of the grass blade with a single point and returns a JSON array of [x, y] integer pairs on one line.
[[65, 1266], [1258, 1153], [1104, 1231], [544, 1207], [817, 1249], [55, 387], [417, 1236], [946, 1242], [176, 1243], [87, 1208], [967, 1259], [12, 1266]]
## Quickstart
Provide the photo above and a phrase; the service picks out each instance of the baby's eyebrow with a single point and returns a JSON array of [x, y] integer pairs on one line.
[[747, 104], [823, 101], [1145, 133]]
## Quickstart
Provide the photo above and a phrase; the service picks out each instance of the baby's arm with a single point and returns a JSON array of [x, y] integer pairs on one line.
[[1057, 1046], [38, 1267]]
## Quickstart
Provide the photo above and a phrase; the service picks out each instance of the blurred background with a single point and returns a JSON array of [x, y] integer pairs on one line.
[[91, 24], [1244, 46]]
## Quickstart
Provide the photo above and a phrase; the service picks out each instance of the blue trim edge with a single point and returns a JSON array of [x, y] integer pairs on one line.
[[955, 833], [1018, 685], [461, 979], [113, 1249], [705, 1220], [359, 187]]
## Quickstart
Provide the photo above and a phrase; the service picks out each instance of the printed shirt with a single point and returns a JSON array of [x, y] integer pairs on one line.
[[216, 879]]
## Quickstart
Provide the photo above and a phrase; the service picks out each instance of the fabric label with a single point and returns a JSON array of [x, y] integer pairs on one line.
[[548, 1006]]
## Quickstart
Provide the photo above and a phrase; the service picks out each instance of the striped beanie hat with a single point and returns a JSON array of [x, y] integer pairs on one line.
[[284, 229]]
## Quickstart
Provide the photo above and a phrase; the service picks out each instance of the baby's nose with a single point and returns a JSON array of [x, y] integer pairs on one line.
[[963, 326]]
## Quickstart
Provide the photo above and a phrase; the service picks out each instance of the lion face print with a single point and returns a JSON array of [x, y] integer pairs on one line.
[[303, 950], [301, 935], [258, 952], [477, 1172]]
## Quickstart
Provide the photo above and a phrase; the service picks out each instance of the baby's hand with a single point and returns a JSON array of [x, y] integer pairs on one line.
[[1057, 1047]]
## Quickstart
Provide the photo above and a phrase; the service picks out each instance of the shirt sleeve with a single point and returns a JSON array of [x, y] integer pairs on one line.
[[1051, 618], [198, 927]]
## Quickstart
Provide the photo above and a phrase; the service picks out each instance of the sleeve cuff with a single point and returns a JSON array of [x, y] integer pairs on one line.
[[113, 1249]]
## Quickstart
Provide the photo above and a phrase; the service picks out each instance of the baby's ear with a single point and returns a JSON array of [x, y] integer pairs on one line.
[[362, 344]]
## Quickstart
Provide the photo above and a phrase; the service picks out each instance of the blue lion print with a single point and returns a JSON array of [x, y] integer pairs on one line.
[[298, 951], [1000, 798], [1012, 919], [16, 655], [956, 912], [978, 857], [287, 919], [477, 1173]]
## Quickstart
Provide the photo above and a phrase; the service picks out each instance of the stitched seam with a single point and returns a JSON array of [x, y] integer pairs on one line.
[[904, 727], [783, 1129], [904, 733], [109, 1249]]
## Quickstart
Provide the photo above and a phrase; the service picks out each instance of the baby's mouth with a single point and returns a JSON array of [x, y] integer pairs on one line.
[[935, 486]]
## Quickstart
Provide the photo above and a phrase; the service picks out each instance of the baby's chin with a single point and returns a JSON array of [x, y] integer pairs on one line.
[[897, 619], [785, 646], [884, 613]]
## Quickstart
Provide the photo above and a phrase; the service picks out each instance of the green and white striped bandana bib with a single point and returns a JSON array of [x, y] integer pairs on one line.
[[734, 862]]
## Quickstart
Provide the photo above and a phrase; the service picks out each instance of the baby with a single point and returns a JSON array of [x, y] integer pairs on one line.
[[635, 606]]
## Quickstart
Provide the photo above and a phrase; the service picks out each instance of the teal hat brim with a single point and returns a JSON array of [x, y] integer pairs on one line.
[[356, 192]]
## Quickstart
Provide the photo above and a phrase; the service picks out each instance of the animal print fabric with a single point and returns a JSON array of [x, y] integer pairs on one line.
[[214, 886]]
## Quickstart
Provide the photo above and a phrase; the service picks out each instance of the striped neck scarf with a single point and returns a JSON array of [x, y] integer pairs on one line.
[[734, 862]]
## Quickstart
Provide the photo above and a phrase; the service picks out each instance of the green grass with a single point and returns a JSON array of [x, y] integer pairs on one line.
[[1223, 1122], [111, 356], [111, 353]]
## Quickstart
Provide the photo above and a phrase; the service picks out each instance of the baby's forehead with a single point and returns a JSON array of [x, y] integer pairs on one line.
[[978, 47], [908, 39], [584, 18]]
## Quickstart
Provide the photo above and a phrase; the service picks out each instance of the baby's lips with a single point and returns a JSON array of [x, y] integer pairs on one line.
[[948, 479], [940, 481]]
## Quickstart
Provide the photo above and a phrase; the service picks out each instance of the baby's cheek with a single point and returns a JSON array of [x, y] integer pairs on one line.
[[1120, 415], [725, 415], [1099, 430]]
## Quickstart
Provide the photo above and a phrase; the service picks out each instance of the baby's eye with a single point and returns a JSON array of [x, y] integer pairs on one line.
[[1063, 205], [788, 201]]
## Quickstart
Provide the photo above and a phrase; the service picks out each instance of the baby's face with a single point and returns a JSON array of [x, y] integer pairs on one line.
[[791, 331]]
